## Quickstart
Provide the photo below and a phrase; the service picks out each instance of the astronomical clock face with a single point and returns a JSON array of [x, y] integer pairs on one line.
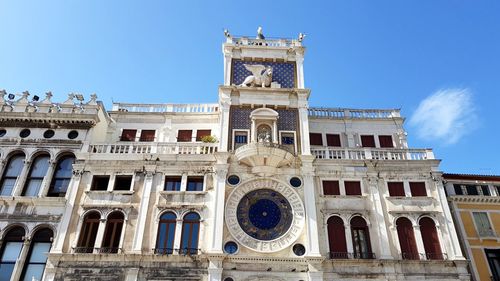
[[265, 215]]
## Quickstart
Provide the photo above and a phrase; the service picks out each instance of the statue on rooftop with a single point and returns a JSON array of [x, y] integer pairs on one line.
[[260, 35], [261, 76]]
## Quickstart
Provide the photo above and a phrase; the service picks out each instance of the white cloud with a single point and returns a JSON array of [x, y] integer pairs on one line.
[[447, 116]]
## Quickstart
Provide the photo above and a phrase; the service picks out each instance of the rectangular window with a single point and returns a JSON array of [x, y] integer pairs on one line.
[[396, 189], [486, 190], [498, 190], [331, 188], [352, 187], [123, 182], [172, 183], [240, 138], [333, 140], [11, 251], [483, 225], [418, 189], [471, 190], [493, 256], [128, 135], [100, 183], [202, 133], [315, 139], [458, 189], [184, 135], [194, 184], [367, 141], [147, 135], [385, 141]]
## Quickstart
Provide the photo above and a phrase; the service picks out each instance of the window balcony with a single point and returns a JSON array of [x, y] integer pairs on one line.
[[346, 255], [153, 148]]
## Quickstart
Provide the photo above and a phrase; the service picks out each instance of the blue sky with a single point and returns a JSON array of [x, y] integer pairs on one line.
[[439, 61]]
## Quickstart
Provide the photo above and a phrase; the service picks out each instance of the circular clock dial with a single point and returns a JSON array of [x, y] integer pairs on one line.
[[264, 214]]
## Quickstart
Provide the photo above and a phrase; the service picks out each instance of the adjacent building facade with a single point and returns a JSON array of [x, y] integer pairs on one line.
[[258, 186], [475, 204]]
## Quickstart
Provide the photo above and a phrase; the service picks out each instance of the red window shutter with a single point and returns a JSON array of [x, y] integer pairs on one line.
[[128, 135], [430, 239], [315, 139], [352, 188], [184, 135], [202, 133], [331, 188], [418, 189], [333, 140], [336, 238], [396, 189], [385, 141], [367, 141], [147, 135], [407, 239]]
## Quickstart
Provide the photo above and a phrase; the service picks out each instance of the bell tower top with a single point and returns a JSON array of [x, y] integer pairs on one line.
[[263, 61]]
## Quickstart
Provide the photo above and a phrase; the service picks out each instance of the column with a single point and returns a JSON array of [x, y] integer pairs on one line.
[[406, 186], [183, 182], [419, 241], [348, 237], [455, 252], [310, 207], [99, 235], [57, 246], [218, 207], [224, 104], [300, 68], [379, 223], [215, 269], [149, 172], [275, 132], [21, 179], [18, 268], [305, 146], [177, 235], [47, 179]]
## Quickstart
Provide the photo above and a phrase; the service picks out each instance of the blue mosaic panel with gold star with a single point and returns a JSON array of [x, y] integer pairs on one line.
[[264, 214], [283, 72]]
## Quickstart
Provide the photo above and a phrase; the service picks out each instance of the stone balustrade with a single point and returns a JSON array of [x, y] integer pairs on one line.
[[161, 108], [268, 42], [153, 147], [371, 153], [345, 113]]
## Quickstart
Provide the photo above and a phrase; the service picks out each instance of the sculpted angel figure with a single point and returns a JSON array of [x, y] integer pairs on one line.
[[261, 76]]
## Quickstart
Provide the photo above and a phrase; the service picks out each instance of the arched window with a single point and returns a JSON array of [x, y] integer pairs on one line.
[[10, 174], [361, 239], [62, 176], [407, 239], [88, 233], [166, 234], [190, 232], [112, 233], [11, 248], [37, 256], [336, 238], [35, 177], [430, 239]]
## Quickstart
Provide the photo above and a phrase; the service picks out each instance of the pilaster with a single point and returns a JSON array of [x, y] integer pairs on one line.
[[221, 170], [378, 215], [310, 207], [149, 172], [21, 179]]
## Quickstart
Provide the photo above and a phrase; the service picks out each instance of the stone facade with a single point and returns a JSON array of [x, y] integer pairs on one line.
[[286, 191]]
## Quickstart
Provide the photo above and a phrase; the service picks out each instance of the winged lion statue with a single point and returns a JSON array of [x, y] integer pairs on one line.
[[261, 76]]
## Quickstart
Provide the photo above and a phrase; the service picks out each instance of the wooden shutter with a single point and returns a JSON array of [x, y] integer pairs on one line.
[[331, 188], [396, 189], [128, 135], [418, 189], [407, 239], [352, 188], [385, 141], [333, 140], [315, 139], [202, 133], [336, 238], [184, 135], [147, 135], [430, 239], [367, 141]]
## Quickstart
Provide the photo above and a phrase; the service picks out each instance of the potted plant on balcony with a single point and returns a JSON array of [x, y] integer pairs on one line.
[[208, 139]]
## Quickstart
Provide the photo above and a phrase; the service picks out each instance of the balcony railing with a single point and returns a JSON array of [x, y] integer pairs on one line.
[[164, 107], [423, 256], [268, 42], [345, 113], [371, 153], [182, 251], [151, 147], [346, 255]]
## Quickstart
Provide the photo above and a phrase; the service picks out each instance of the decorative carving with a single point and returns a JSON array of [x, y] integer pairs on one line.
[[258, 77], [227, 34], [260, 35], [301, 37]]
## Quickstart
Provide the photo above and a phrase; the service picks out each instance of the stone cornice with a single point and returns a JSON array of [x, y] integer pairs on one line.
[[475, 199]]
